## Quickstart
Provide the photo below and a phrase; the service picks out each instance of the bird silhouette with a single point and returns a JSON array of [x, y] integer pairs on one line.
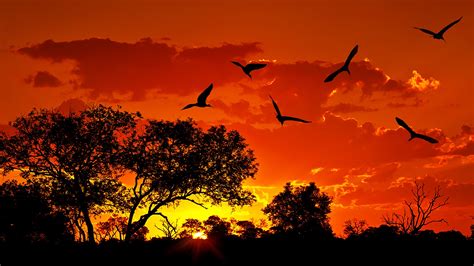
[[439, 35], [345, 67], [282, 118], [413, 134], [249, 67], [201, 100]]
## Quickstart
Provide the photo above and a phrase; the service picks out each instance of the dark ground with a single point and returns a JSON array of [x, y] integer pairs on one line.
[[245, 252]]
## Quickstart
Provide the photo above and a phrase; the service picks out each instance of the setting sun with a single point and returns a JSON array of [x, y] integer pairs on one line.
[[199, 235]]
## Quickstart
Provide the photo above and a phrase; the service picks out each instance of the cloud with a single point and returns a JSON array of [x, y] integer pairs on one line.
[[422, 84], [460, 194], [292, 150], [72, 106], [43, 79], [417, 103], [349, 108], [110, 68]]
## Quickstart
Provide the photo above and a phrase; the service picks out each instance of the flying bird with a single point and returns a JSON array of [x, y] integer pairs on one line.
[[282, 118], [201, 100], [439, 35], [249, 67], [345, 67], [413, 134]]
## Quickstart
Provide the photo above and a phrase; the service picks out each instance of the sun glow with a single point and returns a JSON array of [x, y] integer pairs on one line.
[[199, 235]]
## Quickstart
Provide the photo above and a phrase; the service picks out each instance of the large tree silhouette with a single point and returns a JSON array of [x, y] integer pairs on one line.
[[177, 161], [300, 212], [417, 212], [72, 157]]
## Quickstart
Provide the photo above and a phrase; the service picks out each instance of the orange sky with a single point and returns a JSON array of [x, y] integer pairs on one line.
[[156, 56]]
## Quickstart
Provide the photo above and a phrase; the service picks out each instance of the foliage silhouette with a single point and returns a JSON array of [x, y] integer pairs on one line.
[[177, 161], [27, 217], [71, 157], [354, 228], [383, 232], [115, 227], [217, 228], [248, 230], [300, 212], [451, 235], [191, 227]]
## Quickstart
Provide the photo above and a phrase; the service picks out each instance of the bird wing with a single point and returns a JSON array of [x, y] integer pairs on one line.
[[351, 55], [203, 96], [289, 118], [333, 75], [275, 106], [254, 66], [237, 64], [404, 125], [429, 139], [449, 26], [425, 31], [188, 106]]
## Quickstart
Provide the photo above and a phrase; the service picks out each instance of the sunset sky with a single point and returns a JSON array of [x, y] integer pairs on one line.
[[157, 56]]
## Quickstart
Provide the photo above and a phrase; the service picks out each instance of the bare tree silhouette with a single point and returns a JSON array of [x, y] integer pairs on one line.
[[354, 227], [417, 213], [168, 228]]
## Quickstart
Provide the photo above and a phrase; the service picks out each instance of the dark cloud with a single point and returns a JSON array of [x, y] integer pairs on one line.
[[43, 79], [109, 67], [131, 70]]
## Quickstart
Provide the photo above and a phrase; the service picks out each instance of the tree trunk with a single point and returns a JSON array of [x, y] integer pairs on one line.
[[89, 225], [129, 229], [134, 227]]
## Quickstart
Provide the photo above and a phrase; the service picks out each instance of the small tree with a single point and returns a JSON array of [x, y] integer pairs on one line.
[[217, 227], [177, 161], [417, 213], [169, 229], [71, 157], [248, 230], [115, 228], [300, 212], [354, 227], [190, 228]]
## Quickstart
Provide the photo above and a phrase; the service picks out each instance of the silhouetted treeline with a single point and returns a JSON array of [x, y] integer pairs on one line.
[[71, 185]]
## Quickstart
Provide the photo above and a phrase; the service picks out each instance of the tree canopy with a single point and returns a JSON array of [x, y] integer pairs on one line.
[[177, 161], [301, 212]]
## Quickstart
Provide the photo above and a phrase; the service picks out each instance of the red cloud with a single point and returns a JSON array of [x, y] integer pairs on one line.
[[43, 79], [109, 67], [349, 108], [291, 151], [460, 194], [132, 70]]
